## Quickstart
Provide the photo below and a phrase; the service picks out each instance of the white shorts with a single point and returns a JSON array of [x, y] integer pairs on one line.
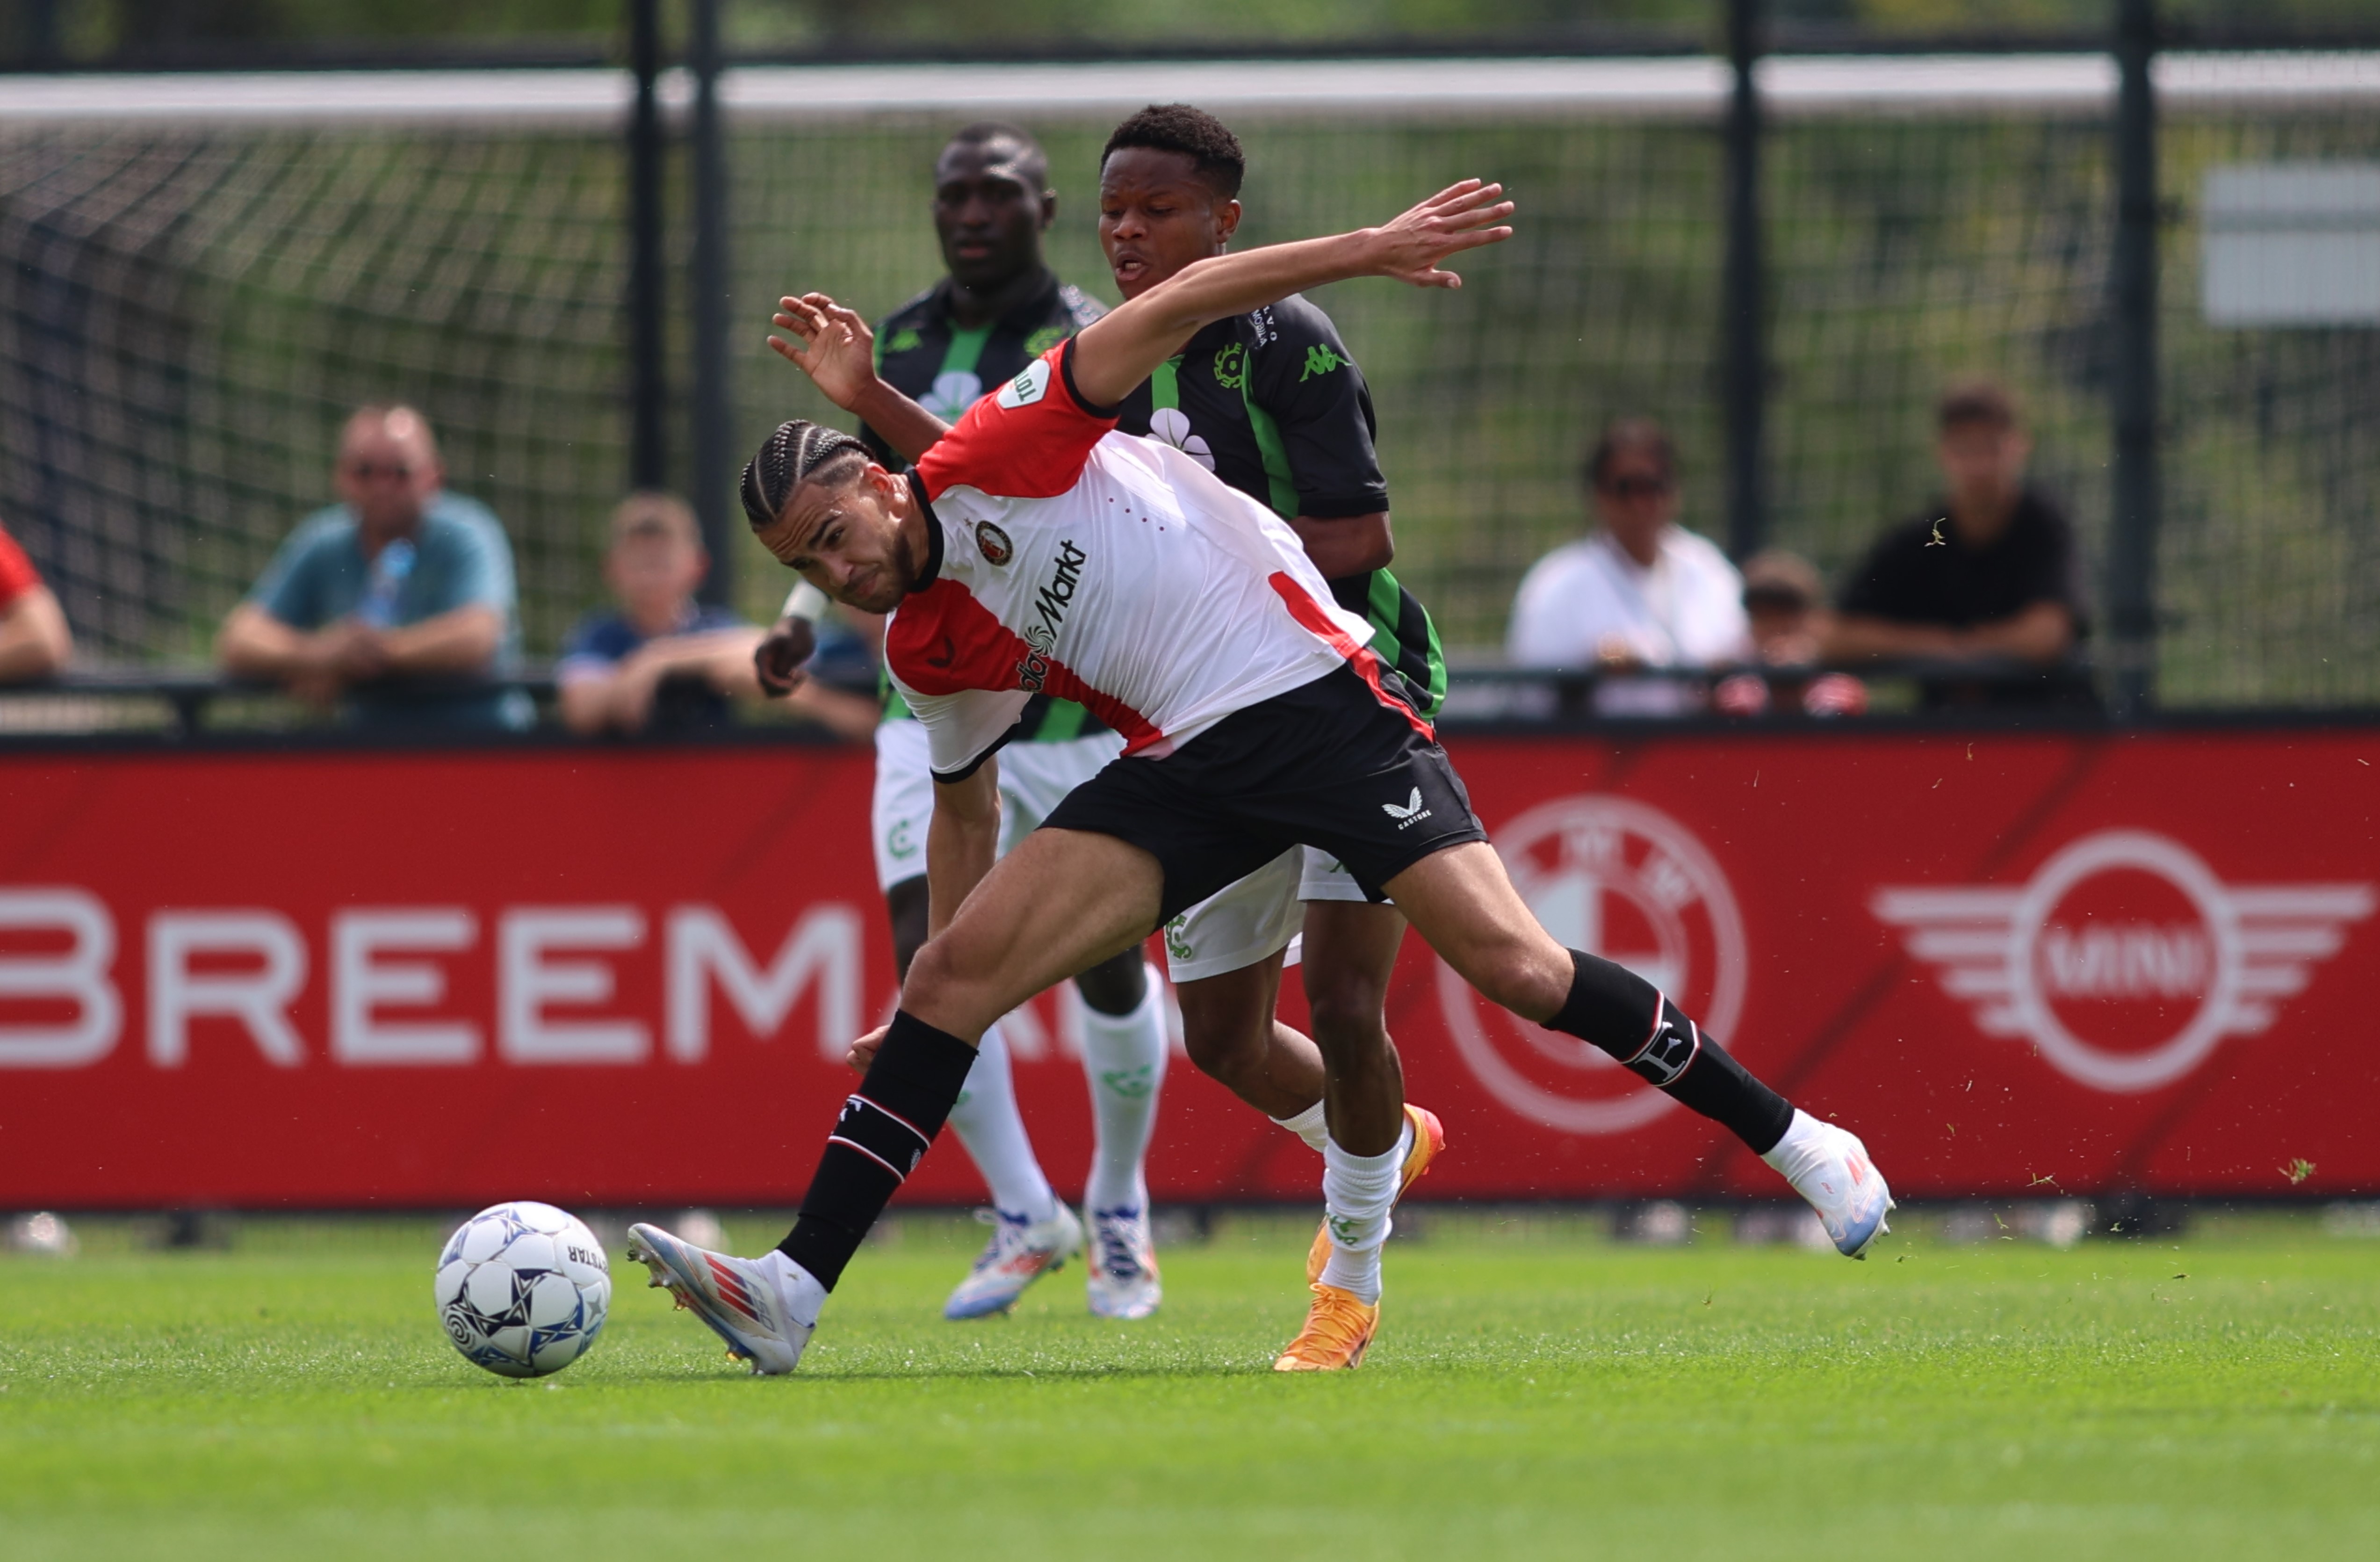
[[1033, 778], [1250, 921]]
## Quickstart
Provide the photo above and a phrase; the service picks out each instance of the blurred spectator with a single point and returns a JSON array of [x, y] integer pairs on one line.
[[34, 638], [661, 661], [400, 582], [1990, 574], [1782, 598], [1643, 591]]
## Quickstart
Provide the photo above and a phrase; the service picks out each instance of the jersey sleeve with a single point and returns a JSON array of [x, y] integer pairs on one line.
[[1030, 439], [1886, 585], [964, 728], [289, 591], [16, 576], [1322, 410]]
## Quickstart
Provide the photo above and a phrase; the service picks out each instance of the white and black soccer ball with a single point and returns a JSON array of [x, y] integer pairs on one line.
[[523, 1288]]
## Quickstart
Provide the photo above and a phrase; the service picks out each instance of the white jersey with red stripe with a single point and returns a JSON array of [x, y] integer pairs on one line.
[[1114, 571]]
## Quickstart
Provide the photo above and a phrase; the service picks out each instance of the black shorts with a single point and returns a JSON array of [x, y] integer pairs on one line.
[[1331, 765]]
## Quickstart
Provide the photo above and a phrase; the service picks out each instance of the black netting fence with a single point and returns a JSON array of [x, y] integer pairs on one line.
[[187, 315]]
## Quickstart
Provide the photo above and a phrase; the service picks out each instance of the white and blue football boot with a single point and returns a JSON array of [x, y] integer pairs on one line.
[[1123, 1281], [1020, 1253], [755, 1305], [1829, 1166]]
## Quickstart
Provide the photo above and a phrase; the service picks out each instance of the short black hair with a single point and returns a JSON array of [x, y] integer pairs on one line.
[[1630, 434], [798, 451], [1195, 133], [983, 132], [1975, 400]]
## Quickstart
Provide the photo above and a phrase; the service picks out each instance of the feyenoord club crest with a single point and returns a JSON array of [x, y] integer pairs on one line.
[[993, 543], [2124, 959], [1618, 879]]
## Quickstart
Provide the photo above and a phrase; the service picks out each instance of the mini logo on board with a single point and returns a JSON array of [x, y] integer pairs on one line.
[[993, 543], [2124, 959], [1028, 387]]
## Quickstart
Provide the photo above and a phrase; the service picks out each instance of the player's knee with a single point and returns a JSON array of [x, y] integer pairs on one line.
[[1228, 1048], [1515, 974], [1347, 1016], [937, 973], [1116, 986]]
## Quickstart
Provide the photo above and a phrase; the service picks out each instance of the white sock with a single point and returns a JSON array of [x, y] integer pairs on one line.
[[1356, 1193], [1124, 1060], [796, 1287], [985, 1120], [1308, 1126]]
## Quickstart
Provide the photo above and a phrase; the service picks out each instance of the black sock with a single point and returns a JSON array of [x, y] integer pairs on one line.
[[1627, 1017], [884, 1130]]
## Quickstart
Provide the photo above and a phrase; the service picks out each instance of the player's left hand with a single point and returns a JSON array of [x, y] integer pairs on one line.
[[777, 660], [835, 347], [863, 1051], [1462, 217]]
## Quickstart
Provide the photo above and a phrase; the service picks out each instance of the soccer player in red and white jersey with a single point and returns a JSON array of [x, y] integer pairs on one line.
[[1034, 549]]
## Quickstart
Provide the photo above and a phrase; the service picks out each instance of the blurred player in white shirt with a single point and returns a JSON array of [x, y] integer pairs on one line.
[[1642, 591]]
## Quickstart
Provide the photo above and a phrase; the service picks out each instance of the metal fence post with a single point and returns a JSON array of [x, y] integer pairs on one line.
[[648, 446], [1746, 359], [2132, 547], [710, 402]]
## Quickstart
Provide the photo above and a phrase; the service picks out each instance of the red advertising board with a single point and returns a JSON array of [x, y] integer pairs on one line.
[[624, 977]]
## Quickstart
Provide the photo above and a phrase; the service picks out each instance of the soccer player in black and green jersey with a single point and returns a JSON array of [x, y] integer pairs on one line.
[[998, 308], [1273, 404]]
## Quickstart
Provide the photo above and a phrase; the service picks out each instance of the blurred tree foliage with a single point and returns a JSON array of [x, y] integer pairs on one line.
[[92, 31]]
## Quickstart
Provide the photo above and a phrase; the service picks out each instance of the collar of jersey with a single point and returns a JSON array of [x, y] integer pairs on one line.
[[933, 570], [1024, 318]]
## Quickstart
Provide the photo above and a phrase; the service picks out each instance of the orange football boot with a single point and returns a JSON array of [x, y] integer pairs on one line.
[[1337, 1331]]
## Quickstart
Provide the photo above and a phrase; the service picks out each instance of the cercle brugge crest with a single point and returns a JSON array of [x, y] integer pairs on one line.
[[994, 542]]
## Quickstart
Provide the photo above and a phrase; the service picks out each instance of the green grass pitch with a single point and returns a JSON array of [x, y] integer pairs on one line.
[[1535, 1392]]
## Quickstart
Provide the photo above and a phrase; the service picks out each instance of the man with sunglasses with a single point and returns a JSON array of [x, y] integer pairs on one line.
[[391, 601], [1642, 591]]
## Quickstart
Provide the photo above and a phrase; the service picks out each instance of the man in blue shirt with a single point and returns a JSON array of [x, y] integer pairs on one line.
[[391, 598]]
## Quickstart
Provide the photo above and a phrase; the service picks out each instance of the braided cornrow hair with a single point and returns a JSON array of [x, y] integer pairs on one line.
[[788, 458]]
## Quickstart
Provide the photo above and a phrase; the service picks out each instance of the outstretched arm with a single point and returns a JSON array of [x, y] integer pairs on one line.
[[1117, 352]]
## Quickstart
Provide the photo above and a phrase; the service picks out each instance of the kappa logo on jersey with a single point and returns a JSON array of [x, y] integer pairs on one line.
[[1028, 387], [1321, 359], [1408, 813], [1050, 616], [993, 543], [2124, 959], [1623, 880]]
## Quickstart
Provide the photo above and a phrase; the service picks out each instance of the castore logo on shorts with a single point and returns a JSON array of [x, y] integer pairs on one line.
[[2124, 958], [1050, 614]]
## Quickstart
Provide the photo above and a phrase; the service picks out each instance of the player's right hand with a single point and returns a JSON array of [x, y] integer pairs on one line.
[[833, 346], [778, 659], [1462, 217]]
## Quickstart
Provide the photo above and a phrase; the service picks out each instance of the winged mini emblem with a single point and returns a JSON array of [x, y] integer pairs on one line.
[[2002, 952]]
